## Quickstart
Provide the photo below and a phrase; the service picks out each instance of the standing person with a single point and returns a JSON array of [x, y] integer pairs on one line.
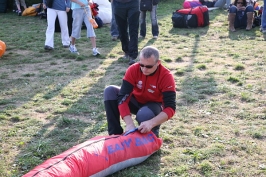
[[58, 8], [263, 20], [148, 91], [114, 29], [82, 13], [240, 15], [154, 23], [20, 3], [127, 19]]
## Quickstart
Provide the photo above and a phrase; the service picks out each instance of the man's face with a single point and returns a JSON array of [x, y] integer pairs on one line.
[[148, 65]]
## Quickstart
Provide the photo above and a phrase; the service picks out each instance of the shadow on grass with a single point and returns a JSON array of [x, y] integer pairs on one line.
[[55, 98], [77, 82]]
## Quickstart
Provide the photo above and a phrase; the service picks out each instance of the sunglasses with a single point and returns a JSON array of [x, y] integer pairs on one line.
[[147, 66], [240, 3]]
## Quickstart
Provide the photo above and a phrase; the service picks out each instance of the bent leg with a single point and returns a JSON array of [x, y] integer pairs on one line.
[[147, 112], [111, 108]]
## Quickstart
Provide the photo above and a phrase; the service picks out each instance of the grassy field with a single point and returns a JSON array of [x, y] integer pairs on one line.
[[51, 101]]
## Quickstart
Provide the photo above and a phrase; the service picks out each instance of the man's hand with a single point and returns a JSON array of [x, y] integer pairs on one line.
[[43, 6], [67, 9], [129, 123], [130, 127], [145, 126]]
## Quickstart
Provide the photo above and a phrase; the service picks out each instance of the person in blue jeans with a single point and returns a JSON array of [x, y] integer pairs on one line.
[[263, 20], [154, 23], [127, 19], [240, 15], [114, 29]]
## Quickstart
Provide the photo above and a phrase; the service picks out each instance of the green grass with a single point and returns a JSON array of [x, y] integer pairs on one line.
[[52, 101]]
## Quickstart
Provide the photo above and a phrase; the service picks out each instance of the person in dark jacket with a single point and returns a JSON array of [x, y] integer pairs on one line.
[[126, 14], [148, 91]]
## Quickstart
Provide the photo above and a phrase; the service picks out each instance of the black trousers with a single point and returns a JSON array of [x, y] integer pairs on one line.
[[143, 112], [127, 19]]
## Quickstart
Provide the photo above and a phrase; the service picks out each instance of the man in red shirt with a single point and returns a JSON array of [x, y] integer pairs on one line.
[[148, 91]]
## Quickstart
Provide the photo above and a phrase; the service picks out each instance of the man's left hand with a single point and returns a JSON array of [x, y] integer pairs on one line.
[[145, 126]]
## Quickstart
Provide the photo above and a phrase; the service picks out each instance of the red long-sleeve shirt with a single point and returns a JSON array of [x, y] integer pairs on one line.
[[157, 87]]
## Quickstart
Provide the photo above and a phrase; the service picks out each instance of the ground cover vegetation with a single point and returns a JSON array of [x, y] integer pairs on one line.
[[51, 101]]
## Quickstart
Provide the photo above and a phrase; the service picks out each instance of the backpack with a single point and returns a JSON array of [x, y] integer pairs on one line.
[[257, 18], [30, 11], [191, 18]]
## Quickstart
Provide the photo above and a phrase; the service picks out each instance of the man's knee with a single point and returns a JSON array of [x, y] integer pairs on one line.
[[110, 92], [148, 112]]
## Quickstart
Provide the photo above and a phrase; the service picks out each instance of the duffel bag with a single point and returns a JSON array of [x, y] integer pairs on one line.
[[191, 18]]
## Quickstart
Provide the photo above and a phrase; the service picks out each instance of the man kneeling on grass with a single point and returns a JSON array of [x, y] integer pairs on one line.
[[148, 91]]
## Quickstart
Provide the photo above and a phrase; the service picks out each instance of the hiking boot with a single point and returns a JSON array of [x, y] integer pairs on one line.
[[131, 61], [47, 47], [95, 52], [73, 49]]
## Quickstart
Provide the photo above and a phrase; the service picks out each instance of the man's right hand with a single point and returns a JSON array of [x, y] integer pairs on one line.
[[130, 127], [129, 123]]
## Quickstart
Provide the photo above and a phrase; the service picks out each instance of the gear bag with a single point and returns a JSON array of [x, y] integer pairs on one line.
[[191, 18]]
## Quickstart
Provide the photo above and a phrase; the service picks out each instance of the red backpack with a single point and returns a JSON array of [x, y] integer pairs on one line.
[[191, 18]]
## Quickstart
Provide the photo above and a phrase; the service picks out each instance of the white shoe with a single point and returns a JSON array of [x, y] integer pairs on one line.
[[95, 52], [73, 49]]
